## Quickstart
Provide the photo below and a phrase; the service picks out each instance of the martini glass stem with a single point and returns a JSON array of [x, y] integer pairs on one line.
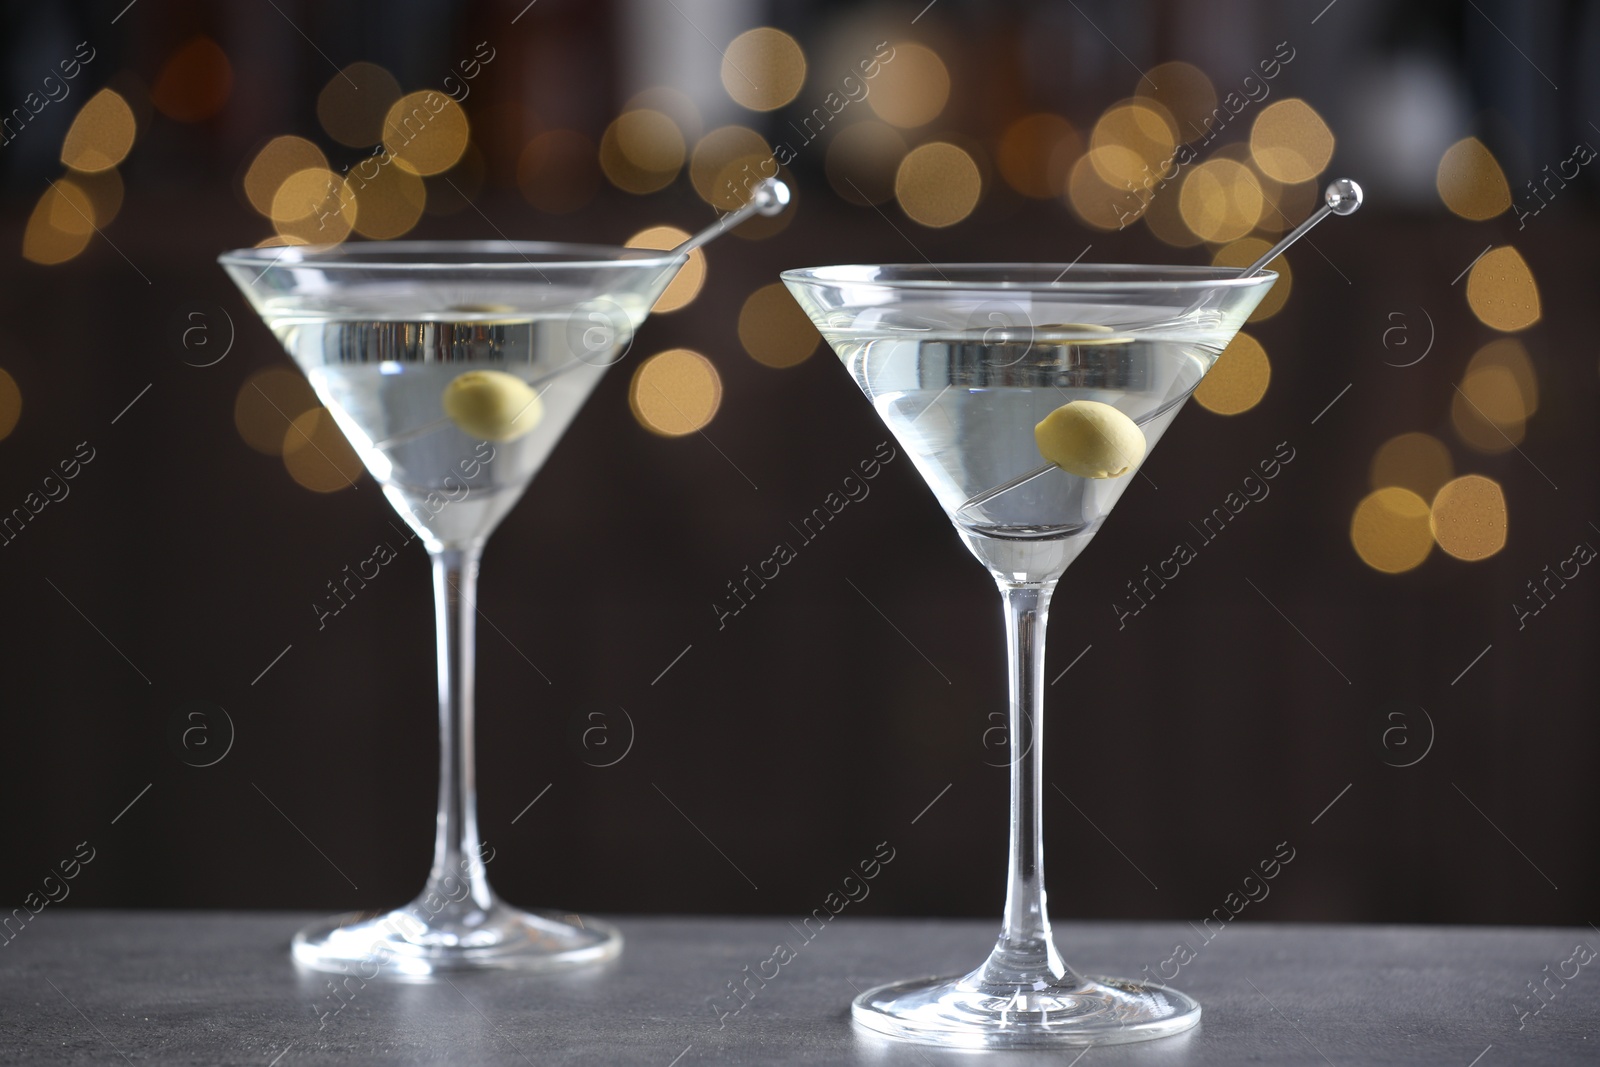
[[458, 879], [1025, 953]]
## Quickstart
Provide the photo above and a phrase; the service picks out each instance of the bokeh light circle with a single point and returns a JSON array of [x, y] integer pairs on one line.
[[195, 83], [1290, 142], [389, 204], [1390, 530], [1419, 462], [1036, 153], [1501, 291], [1470, 181], [425, 132], [675, 392], [938, 184], [774, 330], [912, 88], [1221, 200], [101, 134], [267, 404], [1239, 378], [642, 151], [355, 103], [1245, 251], [763, 69], [726, 162], [685, 285], [1469, 517], [317, 455], [314, 205], [278, 158]]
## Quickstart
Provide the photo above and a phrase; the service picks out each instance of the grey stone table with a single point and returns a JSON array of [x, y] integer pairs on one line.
[[218, 988]]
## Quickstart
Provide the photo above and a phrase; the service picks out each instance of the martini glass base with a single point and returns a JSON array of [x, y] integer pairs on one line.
[[399, 944], [970, 1013]]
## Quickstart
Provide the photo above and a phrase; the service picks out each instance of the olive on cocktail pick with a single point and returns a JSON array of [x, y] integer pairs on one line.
[[1341, 197], [1082, 437], [1090, 439], [492, 405]]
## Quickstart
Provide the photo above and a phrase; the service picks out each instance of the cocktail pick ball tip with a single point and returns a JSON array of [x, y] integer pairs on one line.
[[1343, 196]]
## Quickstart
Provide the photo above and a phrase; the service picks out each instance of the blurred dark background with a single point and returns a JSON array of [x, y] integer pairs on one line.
[[1322, 651]]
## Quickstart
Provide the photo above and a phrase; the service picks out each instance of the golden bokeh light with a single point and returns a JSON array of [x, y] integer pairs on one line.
[[1487, 410], [195, 83], [1131, 142], [279, 158], [763, 69], [673, 103], [104, 190], [1238, 379], [353, 105], [317, 455], [100, 135], [1036, 153], [267, 404], [1220, 200], [1245, 251], [1469, 517], [1290, 142], [649, 140], [388, 204], [1470, 181], [315, 205], [1508, 352], [1501, 291], [675, 392], [1185, 92], [1287, 205], [10, 404], [46, 243], [1163, 214], [726, 163], [557, 172], [642, 151], [72, 210], [912, 89], [1390, 530], [685, 285], [938, 184], [774, 330], [1099, 203], [426, 132], [862, 160], [1419, 462]]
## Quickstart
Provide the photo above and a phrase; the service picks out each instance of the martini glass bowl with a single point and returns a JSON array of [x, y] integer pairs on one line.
[[453, 368], [961, 361]]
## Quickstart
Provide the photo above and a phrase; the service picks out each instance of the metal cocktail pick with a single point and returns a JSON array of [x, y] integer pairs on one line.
[[768, 198], [1342, 197]]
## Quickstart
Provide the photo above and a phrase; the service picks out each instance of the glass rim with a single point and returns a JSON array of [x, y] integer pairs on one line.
[[368, 255], [1142, 277]]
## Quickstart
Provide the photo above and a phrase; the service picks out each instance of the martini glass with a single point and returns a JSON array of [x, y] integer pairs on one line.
[[961, 362], [453, 368]]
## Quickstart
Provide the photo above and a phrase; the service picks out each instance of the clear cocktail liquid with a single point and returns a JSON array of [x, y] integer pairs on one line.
[[383, 382], [964, 405]]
